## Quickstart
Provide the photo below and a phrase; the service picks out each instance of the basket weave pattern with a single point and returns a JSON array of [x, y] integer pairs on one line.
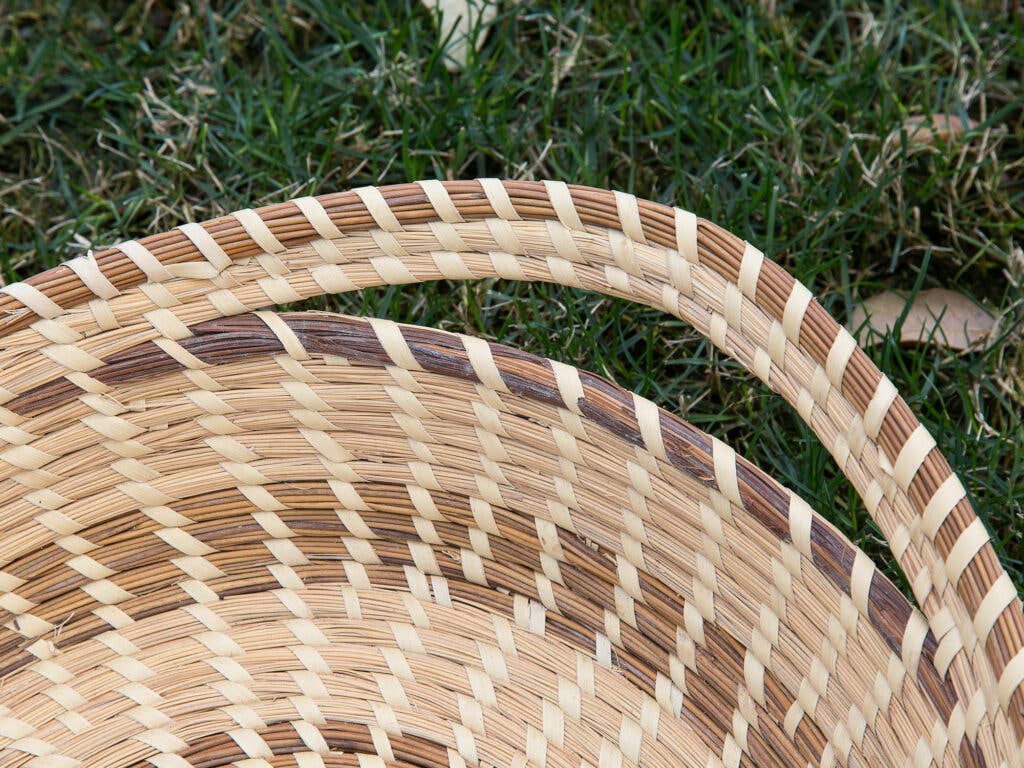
[[235, 537]]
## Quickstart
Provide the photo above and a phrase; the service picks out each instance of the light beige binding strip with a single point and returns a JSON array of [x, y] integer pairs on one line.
[[861, 576], [724, 456], [318, 218], [732, 309], [292, 346], [378, 209], [34, 299], [567, 379], [147, 263], [941, 504], [913, 642], [999, 596], [793, 315], [391, 339], [750, 269], [800, 515], [565, 209], [912, 456], [441, 201], [89, 273], [648, 419], [209, 247], [103, 314], [777, 345], [480, 357], [181, 355], [72, 356], [258, 230], [839, 356], [885, 395], [167, 324], [57, 332], [973, 538], [499, 200], [629, 216], [390, 268], [686, 235], [227, 303], [1013, 676]]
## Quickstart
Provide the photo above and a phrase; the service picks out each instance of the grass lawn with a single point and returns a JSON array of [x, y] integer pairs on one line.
[[780, 123]]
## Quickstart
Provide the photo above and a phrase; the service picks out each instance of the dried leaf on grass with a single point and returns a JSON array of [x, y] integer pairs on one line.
[[927, 130], [463, 23], [924, 133], [935, 316]]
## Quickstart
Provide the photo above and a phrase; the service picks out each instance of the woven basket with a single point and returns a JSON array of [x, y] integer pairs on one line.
[[235, 537]]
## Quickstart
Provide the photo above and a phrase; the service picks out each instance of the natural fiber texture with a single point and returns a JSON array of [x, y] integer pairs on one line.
[[233, 537]]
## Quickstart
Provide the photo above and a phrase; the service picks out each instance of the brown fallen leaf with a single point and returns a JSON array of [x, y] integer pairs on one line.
[[936, 316], [927, 130]]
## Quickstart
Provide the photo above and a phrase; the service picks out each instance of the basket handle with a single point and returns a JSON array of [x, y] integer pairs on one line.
[[654, 254]]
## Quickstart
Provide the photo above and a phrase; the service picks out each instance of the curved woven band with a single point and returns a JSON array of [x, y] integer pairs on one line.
[[156, 288]]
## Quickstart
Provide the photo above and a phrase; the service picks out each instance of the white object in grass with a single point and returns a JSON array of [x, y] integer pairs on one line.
[[463, 25]]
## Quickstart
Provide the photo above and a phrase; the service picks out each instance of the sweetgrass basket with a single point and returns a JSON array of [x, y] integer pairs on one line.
[[236, 537]]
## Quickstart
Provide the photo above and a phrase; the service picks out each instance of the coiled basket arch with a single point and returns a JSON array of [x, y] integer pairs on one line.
[[237, 537]]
